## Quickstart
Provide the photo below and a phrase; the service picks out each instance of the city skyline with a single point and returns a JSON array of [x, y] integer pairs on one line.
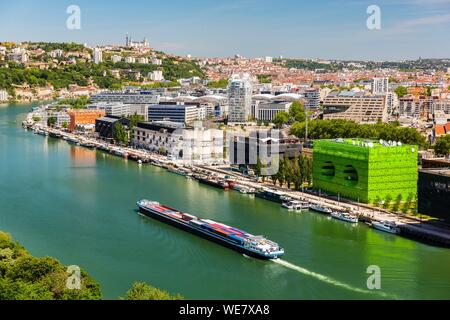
[[409, 28]]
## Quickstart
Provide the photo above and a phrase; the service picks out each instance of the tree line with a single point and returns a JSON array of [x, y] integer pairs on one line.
[[294, 172], [338, 128]]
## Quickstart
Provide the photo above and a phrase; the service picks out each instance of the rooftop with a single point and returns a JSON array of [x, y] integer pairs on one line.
[[367, 143]]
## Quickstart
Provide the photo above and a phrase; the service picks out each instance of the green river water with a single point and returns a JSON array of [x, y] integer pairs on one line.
[[78, 205]]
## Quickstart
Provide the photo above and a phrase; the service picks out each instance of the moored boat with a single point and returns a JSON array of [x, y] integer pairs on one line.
[[296, 205], [344, 216], [213, 182], [386, 226], [320, 209], [272, 195]]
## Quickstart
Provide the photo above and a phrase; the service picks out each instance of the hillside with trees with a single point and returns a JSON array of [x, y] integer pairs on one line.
[[25, 277]]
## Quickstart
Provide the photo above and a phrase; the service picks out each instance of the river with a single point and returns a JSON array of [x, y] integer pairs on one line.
[[78, 205]]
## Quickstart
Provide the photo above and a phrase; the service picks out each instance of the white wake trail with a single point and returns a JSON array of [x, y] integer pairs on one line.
[[331, 280]]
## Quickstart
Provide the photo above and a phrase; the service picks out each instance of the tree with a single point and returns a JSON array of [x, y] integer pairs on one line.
[[337, 128], [288, 172], [281, 119], [297, 172], [397, 203], [297, 112], [120, 134], [387, 201], [143, 291], [401, 91], [51, 121], [258, 167], [24, 277], [65, 125], [377, 201], [442, 147]]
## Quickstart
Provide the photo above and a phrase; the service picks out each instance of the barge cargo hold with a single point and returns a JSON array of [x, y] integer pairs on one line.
[[238, 240]]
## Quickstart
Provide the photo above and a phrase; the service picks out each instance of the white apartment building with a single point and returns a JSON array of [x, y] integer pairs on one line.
[[409, 106], [116, 58], [130, 60], [392, 102], [187, 145], [180, 113], [239, 98], [380, 86], [268, 111], [98, 56], [355, 106], [58, 53], [156, 62], [62, 117], [18, 57], [4, 96], [156, 75], [142, 60], [139, 109], [118, 109], [312, 98]]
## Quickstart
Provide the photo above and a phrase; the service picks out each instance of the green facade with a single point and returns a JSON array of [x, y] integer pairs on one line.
[[366, 172]]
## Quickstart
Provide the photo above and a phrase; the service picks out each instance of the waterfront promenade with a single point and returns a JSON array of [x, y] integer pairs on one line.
[[410, 226]]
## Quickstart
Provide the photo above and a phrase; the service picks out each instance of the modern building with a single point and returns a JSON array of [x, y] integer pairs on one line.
[[355, 106], [245, 149], [441, 105], [174, 112], [184, 144], [380, 86], [62, 118], [139, 109], [156, 75], [268, 111], [117, 109], [434, 193], [105, 126], [312, 98], [392, 102], [130, 60], [142, 60], [98, 56], [126, 97], [410, 106], [116, 58], [239, 98], [364, 170], [83, 117]]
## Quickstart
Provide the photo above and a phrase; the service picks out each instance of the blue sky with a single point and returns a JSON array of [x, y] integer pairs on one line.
[[253, 28]]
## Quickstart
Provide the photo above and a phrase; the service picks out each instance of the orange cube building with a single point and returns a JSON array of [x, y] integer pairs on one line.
[[83, 117]]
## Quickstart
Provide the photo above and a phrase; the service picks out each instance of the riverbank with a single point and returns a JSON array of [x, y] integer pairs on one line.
[[409, 226], [78, 204]]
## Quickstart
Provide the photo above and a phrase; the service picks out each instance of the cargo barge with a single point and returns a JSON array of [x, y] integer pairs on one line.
[[238, 240], [213, 182]]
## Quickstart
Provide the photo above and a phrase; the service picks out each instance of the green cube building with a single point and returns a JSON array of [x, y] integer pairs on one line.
[[365, 170]]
